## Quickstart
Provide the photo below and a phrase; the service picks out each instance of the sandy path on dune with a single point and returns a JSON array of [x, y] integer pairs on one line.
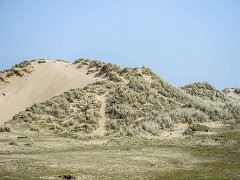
[[101, 130]]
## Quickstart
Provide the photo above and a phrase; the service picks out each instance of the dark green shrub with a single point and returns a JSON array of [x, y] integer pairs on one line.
[[22, 64], [198, 127], [41, 61], [4, 129]]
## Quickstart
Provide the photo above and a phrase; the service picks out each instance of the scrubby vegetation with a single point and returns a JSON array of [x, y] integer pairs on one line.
[[18, 70], [228, 90], [137, 101], [82, 60], [76, 110], [205, 91], [22, 64], [41, 61]]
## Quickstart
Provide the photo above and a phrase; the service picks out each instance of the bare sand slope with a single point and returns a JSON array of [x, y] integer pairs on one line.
[[46, 81]]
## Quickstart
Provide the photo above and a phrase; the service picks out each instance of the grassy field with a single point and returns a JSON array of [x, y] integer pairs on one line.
[[202, 156]]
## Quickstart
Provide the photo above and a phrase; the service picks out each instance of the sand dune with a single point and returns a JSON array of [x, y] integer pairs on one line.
[[46, 81]]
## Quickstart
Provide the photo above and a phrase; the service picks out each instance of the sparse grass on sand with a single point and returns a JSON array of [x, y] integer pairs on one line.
[[201, 156]]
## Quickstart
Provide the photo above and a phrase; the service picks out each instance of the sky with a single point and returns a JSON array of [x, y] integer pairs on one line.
[[184, 41]]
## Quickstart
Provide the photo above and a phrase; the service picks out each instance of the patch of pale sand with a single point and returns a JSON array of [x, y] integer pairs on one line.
[[94, 142], [101, 130], [179, 128], [176, 132], [212, 125], [46, 81]]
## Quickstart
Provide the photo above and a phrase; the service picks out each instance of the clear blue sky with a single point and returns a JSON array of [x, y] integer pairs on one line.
[[184, 41]]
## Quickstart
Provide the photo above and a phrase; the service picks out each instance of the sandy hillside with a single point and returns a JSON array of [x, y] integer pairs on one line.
[[233, 94], [46, 81]]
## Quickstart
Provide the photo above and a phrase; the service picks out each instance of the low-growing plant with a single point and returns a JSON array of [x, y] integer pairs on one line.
[[9, 73], [115, 77], [4, 129], [237, 91], [41, 61], [151, 127], [22, 64], [199, 127]]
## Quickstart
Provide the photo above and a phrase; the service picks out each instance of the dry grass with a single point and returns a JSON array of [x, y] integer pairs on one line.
[[18, 70]]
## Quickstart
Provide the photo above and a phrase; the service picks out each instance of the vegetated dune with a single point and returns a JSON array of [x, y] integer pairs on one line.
[[38, 81], [232, 92], [129, 101], [205, 91]]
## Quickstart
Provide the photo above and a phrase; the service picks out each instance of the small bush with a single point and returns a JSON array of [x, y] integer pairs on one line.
[[18, 72], [122, 111], [68, 123], [188, 132], [34, 129], [237, 91], [13, 143], [138, 84], [112, 124], [164, 121], [41, 62], [195, 127], [22, 64], [151, 127], [9, 73], [109, 68], [219, 114], [4, 129], [82, 60], [92, 117], [198, 127], [114, 77], [3, 78]]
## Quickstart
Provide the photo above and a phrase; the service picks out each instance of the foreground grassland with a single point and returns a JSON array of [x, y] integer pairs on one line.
[[202, 156]]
